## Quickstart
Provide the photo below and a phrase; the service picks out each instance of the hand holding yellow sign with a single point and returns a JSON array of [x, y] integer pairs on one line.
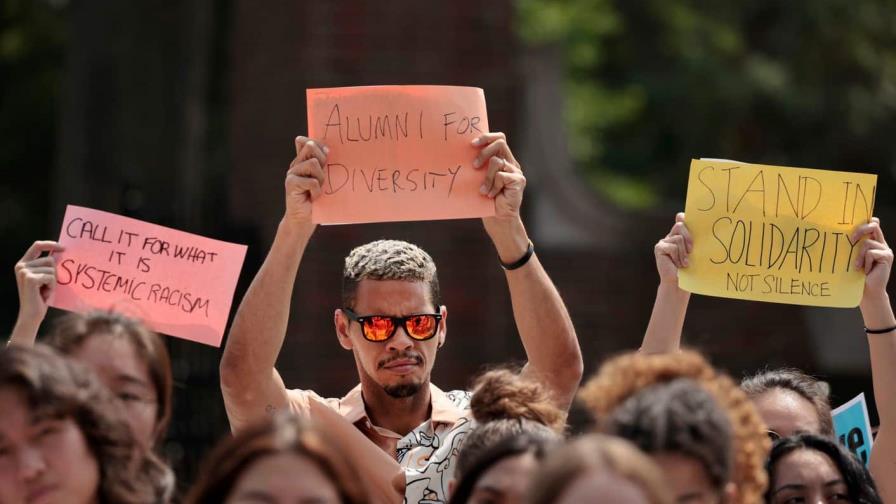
[[771, 233]]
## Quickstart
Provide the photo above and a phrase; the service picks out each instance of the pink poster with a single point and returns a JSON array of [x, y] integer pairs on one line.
[[177, 283]]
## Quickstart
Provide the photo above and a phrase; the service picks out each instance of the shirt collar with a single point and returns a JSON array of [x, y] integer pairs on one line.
[[444, 411]]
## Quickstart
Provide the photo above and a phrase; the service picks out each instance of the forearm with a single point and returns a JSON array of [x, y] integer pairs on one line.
[[382, 476], [877, 313], [664, 329], [546, 331], [24, 333], [259, 326]]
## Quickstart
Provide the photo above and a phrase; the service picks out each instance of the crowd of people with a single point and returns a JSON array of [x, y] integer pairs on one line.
[[84, 409]]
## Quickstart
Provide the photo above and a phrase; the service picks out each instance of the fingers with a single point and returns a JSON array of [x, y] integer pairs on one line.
[[878, 231], [676, 247], [41, 272], [296, 185], [876, 256], [26, 270], [33, 279], [46, 262], [498, 166], [311, 157], [506, 180], [493, 144], [39, 247], [670, 250], [487, 138], [683, 249], [881, 253], [679, 229], [301, 141], [498, 148], [309, 168], [870, 229], [312, 149]]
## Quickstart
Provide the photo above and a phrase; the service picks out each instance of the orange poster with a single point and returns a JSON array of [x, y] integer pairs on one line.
[[399, 153]]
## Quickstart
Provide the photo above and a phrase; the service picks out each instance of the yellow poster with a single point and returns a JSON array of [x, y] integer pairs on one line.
[[773, 233]]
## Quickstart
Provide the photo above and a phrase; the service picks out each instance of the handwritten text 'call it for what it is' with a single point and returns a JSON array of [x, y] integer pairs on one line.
[[107, 278]]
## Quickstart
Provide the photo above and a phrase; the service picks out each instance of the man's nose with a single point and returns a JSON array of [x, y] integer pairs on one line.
[[31, 463], [401, 340]]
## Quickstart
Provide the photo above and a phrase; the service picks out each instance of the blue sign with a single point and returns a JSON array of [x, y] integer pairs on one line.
[[853, 427]]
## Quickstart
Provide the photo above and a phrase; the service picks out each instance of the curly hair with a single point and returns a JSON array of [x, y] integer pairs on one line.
[[54, 387], [597, 452], [281, 433], [809, 388], [679, 417], [623, 376], [858, 480], [72, 330], [388, 260]]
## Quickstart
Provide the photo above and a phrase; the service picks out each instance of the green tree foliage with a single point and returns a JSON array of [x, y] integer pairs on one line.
[[654, 83]]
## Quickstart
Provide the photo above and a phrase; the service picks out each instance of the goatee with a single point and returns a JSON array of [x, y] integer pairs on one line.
[[402, 390]]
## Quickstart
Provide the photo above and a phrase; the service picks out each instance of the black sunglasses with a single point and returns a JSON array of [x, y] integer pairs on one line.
[[377, 328]]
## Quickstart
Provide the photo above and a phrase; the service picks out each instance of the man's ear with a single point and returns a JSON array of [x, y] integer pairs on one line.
[[452, 484], [342, 322], [443, 327]]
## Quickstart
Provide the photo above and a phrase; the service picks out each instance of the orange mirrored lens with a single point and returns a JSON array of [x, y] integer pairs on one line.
[[421, 326], [378, 328]]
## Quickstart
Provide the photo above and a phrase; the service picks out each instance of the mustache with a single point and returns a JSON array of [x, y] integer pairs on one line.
[[404, 355]]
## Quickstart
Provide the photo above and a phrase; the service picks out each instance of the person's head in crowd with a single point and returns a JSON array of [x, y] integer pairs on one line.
[[598, 465], [386, 277], [686, 432], [624, 376], [129, 358], [815, 469], [517, 423], [63, 437], [280, 460], [790, 402]]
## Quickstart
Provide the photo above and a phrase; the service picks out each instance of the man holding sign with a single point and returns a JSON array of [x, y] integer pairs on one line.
[[394, 323], [399, 153]]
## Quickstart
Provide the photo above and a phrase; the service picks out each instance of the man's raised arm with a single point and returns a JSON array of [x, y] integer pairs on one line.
[[251, 386], [541, 318]]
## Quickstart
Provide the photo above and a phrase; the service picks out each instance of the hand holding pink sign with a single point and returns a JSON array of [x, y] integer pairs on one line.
[[398, 153], [178, 283]]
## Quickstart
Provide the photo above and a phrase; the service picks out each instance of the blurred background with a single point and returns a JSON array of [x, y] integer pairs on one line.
[[183, 113]]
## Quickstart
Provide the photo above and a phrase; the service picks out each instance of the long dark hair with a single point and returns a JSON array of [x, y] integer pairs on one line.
[[282, 433], [55, 387], [858, 480]]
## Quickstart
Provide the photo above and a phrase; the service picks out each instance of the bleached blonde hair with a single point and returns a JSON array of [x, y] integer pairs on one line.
[[388, 260]]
